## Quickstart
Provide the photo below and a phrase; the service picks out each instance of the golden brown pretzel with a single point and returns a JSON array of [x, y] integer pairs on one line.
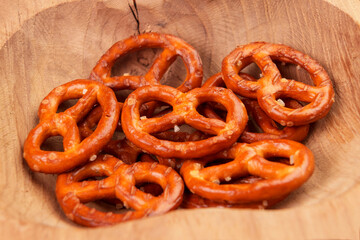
[[73, 190], [267, 125], [279, 179], [76, 152], [184, 111], [272, 86], [172, 46]]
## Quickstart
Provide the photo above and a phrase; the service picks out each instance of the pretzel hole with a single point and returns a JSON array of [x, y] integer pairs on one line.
[[218, 162], [66, 105], [154, 109], [135, 63], [181, 133], [253, 126], [149, 187], [212, 110], [53, 143], [122, 94], [253, 70], [175, 75], [295, 72], [118, 135], [279, 160], [108, 205], [245, 180], [92, 178]]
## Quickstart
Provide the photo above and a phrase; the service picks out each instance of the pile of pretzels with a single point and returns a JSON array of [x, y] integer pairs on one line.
[[242, 149]]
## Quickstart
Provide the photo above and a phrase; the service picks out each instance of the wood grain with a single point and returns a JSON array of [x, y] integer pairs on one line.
[[46, 43]]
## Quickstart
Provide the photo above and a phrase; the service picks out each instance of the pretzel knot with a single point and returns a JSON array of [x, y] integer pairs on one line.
[[172, 46], [272, 86], [76, 152], [74, 189], [278, 179], [184, 107]]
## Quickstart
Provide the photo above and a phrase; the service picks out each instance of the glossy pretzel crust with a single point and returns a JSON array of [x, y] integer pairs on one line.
[[74, 189], [272, 86], [279, 179], [76, 151]]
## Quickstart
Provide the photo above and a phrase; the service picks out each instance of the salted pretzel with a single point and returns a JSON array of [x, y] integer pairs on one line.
[[268, 128], [279, 179], [272, 85], [76, 152], [74, 189], [184, 110], [173, 47]]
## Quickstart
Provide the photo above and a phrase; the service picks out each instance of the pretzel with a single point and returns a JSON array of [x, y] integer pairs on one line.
[[272, 86], [184, 111], [76, 152], [279, 179], [172, 46], [268, 127], [73, 190]]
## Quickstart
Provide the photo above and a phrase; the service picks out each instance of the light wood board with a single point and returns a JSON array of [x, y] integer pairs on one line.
[[46, 43]]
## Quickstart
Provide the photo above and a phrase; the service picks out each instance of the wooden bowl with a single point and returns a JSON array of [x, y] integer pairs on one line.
[[63, 42]]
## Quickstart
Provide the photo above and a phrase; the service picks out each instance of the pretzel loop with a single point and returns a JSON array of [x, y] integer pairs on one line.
[[172, 46], [272, 86], [76, 152], [279, 179], [184, 111], [140, 172]]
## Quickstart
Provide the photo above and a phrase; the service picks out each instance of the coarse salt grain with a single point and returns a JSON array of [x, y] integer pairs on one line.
[[281, 102], [52, 156], [216, 181], [176, 128], [36, 168], [93, 157], [126, 74], [84, 91], [292, 161], [228, 179], [131, 101], [143, 117], [45, 101]]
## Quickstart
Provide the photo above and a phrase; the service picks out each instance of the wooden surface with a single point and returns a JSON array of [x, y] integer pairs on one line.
[[46, 43]]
